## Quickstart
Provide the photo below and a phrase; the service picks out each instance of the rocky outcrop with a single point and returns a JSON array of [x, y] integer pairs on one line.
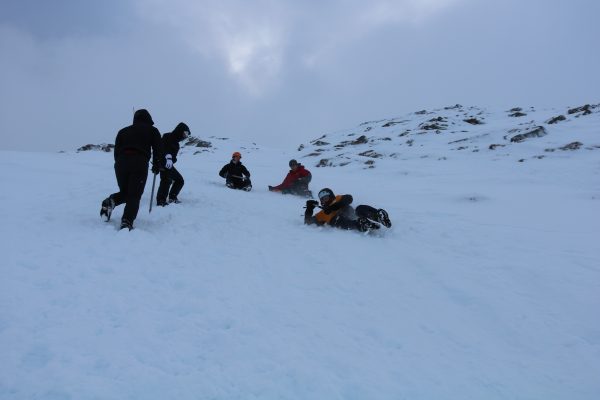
[[536, 132], [106, 147]]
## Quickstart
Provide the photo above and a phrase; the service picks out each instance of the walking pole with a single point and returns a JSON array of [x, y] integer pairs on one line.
[[152, 194]]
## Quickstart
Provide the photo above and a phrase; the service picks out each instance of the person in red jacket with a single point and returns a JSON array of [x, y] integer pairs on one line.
[[296, 182]]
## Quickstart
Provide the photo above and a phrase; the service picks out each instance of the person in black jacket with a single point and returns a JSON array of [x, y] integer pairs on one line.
[[170, 178], [337, 211], [236, 175], [134, 145]]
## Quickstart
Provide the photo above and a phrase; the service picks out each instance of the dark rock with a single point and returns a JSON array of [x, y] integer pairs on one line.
[[454, 107], [197, 142], [571, 146], [422, 112], [436, 124], [494, 146], [313, 154], [106, 147], [301, 147], [361, 140], [585, 109], [473, 121], [516, 109], [556, 119], [320, 143], [368, 128], [324, 163], [517, 114], [538, 131], [391, 123], [370, 153]]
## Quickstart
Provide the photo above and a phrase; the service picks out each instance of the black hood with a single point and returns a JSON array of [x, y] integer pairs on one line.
[[179, 129], [142, 115]]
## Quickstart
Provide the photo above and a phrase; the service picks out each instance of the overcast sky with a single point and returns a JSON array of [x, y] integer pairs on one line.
[[72, 71]]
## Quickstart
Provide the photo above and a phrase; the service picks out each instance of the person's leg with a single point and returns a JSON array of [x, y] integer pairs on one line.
[[374, 214], [135, 189], [163, 188], [122, 175], [177, 184]]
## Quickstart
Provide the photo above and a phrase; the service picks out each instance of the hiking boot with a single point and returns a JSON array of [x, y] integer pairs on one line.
[[126, 224], [247, 188], [174, 200], [384, 218], [161, 203], [364, 225], [108, 205]]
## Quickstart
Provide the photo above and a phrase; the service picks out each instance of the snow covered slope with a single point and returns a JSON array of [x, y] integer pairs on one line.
[[453, 131], [486, 287]]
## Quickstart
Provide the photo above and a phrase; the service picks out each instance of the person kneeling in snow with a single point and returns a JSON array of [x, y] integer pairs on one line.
[[337, 211], [170, 178], [236, 175], [296, 182]]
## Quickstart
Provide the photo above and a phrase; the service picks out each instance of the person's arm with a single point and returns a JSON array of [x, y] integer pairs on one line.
[[245, 171], [308, 214], [287, 182], [118, 149], [224, 171], [158, 159], [346, 200], [304, 177]]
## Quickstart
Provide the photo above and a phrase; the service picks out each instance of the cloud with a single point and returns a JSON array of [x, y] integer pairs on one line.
[[253, 39]]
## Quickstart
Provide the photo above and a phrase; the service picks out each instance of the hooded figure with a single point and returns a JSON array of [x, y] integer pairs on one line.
[[171, 180], [134, 146], [296, 181]]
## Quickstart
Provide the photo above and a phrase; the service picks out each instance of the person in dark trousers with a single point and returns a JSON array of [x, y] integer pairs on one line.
[[171, 180], [296, 181], [236, 174], [337, 211], [134, 146]]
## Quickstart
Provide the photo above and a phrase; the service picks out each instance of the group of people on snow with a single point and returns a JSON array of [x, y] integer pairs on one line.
[[136, 144]]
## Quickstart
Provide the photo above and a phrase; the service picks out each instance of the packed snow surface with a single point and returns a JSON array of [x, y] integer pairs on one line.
[[487, 286]]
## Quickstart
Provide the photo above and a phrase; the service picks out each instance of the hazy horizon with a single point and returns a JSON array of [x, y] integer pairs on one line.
[[72, 72]]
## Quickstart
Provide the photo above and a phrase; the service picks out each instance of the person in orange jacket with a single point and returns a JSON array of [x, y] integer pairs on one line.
[[337, 212], [296, 181]]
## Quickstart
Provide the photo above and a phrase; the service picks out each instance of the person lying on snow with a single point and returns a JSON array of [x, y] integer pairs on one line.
[[337, 212], [236, 175], [296, 182]]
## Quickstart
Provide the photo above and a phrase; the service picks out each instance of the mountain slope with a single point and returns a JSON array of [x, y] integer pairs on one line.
[[485, 287]]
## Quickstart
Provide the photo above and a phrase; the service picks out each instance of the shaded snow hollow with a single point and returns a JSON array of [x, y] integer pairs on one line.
[[486, 287]]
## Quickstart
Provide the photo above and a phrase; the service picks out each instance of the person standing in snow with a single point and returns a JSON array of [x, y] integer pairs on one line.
[[337, 211], [296, 181], [171, 180], [134, 145], [236, 174]]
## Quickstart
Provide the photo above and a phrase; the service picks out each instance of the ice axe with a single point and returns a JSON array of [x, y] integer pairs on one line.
[[152, 194]]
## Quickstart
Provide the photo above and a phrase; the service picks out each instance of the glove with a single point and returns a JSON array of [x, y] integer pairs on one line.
[[155, 169], [169, 162], [311, 204], [270, 188]]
